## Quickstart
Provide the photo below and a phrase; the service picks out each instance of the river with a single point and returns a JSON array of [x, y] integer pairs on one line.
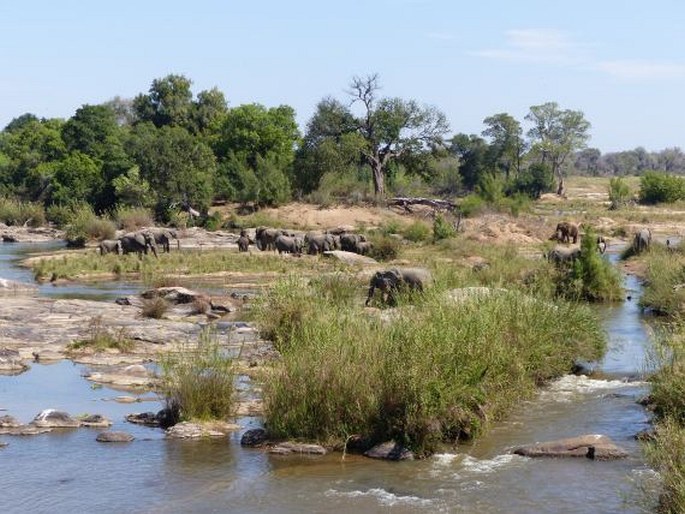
[[70, 472]]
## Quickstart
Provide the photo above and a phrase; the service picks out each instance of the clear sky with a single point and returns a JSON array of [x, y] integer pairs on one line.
[[621, 62]]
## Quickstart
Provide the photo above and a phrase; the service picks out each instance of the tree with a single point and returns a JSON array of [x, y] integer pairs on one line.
[[123, 110], [75, 179], [209, 110], [506, 142], [587, 161], [472, 152], [555, 134], [168, 102], [91, 129]]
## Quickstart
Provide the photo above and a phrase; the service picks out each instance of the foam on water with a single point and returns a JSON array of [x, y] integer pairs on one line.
[[484, 466], [385, 498], [569, 385]]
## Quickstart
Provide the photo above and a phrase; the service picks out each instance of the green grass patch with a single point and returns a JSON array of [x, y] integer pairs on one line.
[[664, 290], [438, 372], [101, 338], [198, 382]]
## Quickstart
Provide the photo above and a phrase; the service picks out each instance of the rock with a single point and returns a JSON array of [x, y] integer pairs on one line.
[[12, 287], [11, 362], [51, 418], [136, 370], [168, 417], [188, 430], [127, 399], [24, 430], [94, 421], [6, 238], [389, 450], [7, 421], [301, 448], [250, 408], [592, 446], [149, 419], [253, 437], [114, 437], [175, 295], [646, 436], [351, 258], [134, 375], [3, 444]]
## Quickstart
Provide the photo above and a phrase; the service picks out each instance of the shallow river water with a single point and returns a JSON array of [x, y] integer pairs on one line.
[[70, 472]]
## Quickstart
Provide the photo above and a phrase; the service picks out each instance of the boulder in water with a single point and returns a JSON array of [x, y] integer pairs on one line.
[[114, 437], [592, 446], [390, 450], [51, 418]]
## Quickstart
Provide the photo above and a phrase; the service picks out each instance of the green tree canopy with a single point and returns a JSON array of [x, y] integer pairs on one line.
[[506, 142], [168, 102]]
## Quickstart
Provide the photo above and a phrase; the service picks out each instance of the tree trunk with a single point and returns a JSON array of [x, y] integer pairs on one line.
[[378, 179], [561, 188]]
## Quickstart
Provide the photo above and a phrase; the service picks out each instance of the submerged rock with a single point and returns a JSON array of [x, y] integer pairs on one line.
[[390, 450], [188, 430], [24, 430], [592, 446], [8, 421], [149, 419], [114, 437], [287, 448], [95, 421], [51, 418], [253, 437], [12, 287]]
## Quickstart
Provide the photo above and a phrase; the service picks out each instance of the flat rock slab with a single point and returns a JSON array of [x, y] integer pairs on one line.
[[148, 419], [592, 446], [24, 430], [288, 448], [51, 418], [188, 430], [351, 258], [114, 437], [11, 362], [13, 288], [8, 421], [389, 450]]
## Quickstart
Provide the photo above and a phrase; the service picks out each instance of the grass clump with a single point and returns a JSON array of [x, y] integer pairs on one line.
[[131, 219], [14, 212], [437, 373], [101, 339], [85, 225], [199, 382], [442, 228], [417, 232], [664, 292], [619, 193]]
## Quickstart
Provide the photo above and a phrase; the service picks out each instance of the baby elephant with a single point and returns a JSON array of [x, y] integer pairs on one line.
[[566, 232], [395, 280], [110, 246], [243, 241]]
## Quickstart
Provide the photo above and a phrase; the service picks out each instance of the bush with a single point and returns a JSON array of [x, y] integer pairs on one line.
[[199, 381], [619, 193], [384, 247], [591, 277], [532, 182], [664, 272], [656, 187], [213, 222], [471, 205], [442, 228], [85, 225], [436, 374], [13, 212], [131, 219], [417, 232]]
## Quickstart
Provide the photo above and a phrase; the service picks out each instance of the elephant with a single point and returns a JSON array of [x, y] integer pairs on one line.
[[266, 238], [642, 240], [319, 243], [163, 237], [289, 244], [243, 241], [362, 247], [395, 280], [565, 232], [110, 246], [562, 255], [348, 242], [139, 242]]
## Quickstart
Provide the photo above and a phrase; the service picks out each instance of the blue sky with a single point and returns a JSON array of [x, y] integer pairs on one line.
[[620, 62]]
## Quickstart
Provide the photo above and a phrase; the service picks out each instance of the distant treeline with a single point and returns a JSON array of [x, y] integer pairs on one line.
[[169, 149]]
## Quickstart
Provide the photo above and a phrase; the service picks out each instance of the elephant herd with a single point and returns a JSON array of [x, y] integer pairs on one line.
[[141, 242], [313, 243]]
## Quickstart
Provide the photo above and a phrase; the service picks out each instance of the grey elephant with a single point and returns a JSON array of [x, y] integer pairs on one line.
[[319, 243], [139, 242], [243, 241], [110, 246], [163, 237], [266, 238], [561, 255], [288, 244], [396, 280], [566, 232], [642, 240], [349, 242], [362, 247]]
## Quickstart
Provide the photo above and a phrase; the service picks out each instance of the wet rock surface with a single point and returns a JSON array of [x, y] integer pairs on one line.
[[287, 448], [95, 421], [390, 450], [148, 419], [114, 437], [8, 421], [592, 446], [188, 430], [13, 288], [51, 418], [25, 430], [11, 362], [253, 438]]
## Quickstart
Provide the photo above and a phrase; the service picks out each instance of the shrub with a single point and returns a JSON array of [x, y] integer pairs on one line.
[[199, 381], [131, 219], [591, 277], [619, 193], [442, 228], [384, 247], [664, 275], [656, 187], [532, 182], [213, 222], [155, 308], [472, 205], [417, 232], [85, 225], [13, 212]]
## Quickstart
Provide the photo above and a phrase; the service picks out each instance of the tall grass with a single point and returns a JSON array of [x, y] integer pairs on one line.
[[86, 225], [14, 212], [199, 381], [133, 218], [438, 372], [664, 279]]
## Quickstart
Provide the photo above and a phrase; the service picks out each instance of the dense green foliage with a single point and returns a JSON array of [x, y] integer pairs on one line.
[[656, 187], [438, 372], [619, 193]]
